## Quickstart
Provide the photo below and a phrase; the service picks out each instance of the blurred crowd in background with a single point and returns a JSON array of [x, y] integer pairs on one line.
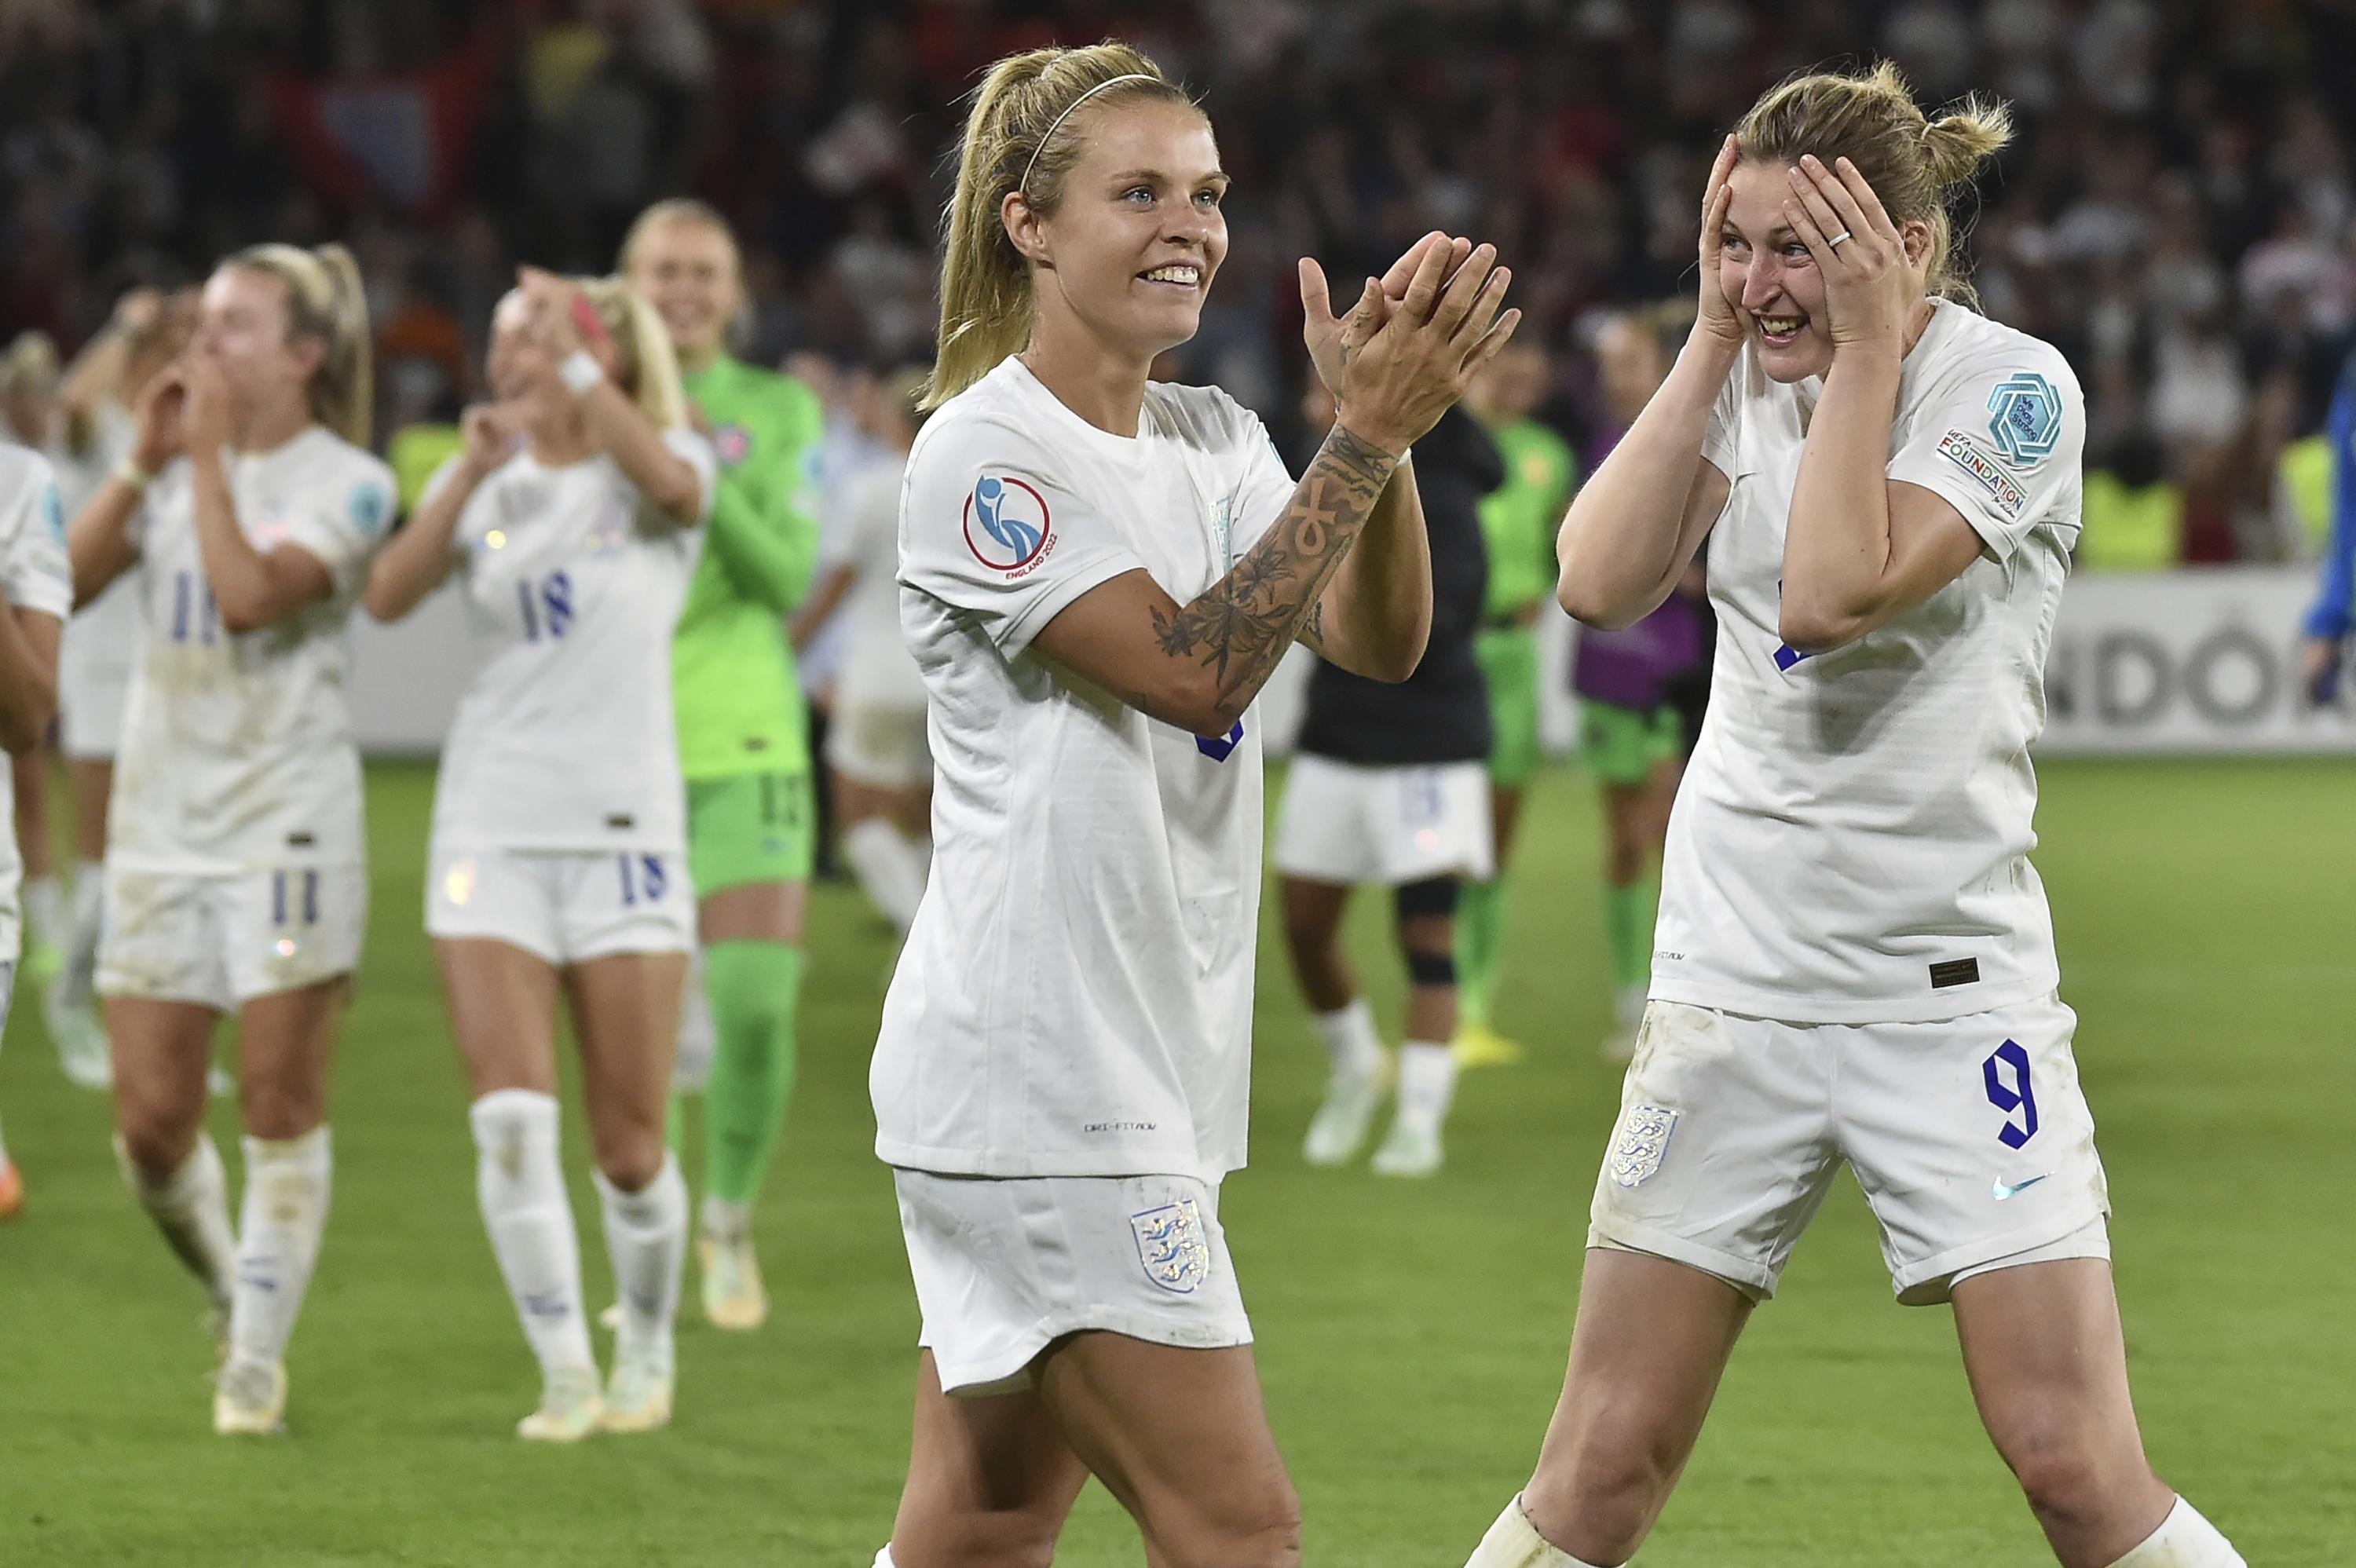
[[2178, 213]]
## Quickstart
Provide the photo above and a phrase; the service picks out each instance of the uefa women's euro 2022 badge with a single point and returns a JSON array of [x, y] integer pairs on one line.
[[1173, 1247], [1640, 1142]]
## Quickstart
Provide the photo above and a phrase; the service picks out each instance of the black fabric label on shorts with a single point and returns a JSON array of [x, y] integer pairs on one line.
[[621, 821], [300, 840], [1954, 971]]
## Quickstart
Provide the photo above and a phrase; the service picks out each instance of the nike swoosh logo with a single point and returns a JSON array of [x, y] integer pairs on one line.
[[2003, 1192]]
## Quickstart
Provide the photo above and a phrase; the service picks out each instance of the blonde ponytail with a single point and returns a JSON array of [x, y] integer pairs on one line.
[[648, 368], [1016, 138], [29, 364], [1916, 166], [326, 300]]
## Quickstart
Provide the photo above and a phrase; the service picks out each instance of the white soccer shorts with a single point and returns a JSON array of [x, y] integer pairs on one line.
[[880, 745], [1970, 1137], [1005, 1266], [566, 906], [1352, 823], [219, 940], [91, 693]]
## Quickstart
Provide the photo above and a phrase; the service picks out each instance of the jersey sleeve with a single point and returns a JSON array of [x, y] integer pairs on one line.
[[696, 452], [1265, 490], [33, 571], [1998, 437], [2336, 590], [1721, 433], [343, 518], [991, 528]]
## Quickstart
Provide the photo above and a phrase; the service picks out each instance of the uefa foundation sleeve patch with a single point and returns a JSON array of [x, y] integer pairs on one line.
[[1967, 454]]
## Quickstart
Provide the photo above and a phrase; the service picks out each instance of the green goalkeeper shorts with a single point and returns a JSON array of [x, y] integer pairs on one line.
[[752, 828], [1509, 663], [1621, 745]]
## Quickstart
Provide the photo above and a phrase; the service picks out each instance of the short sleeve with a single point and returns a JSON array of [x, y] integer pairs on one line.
[[34, 570], [989, 525], [696, 452], [1721, 433], [1998, 439], [1265, 489], [345, 519]]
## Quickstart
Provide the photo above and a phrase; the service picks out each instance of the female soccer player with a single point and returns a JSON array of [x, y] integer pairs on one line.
[[558, 857], [37, 591], [1854, 959], [883, 775], [30, 418], [236, 869], [1389, 787], [1631, 736], [146, 332], [1097, 576], [1518, 520], [743, 741]]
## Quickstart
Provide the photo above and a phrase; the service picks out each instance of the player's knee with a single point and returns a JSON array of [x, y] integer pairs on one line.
[[1603, 1487], [275, 1109], [154, 1145], [2060, 1468], [1261, 1530]]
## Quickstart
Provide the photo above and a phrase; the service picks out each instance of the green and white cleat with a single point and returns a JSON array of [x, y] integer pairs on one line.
[[570, 1408], [81, 1042], [1408, 1151], [637, 1397], [249, 1400], [733, 1296], [1341, 1123]]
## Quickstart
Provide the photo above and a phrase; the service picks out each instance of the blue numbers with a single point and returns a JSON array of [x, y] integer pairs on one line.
[[642, 879], [2010, 1097], [195, 616], [281, 902], [547, 606]]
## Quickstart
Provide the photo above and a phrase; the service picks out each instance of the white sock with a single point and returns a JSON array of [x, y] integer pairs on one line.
[[1426, 1083], [519, 1181], [1349, 1035], [191, 1208], [723, 1220], [283, 1215], [2184, 1540], [883, 1558], [691, 1066], [1514, 1542], [645, 1231], [45, 908], [888, 866]]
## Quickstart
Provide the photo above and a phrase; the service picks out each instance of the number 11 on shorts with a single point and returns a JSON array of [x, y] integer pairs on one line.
[[2010, 1061]]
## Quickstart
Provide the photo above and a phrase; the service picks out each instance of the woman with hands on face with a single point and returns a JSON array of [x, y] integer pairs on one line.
[[1888, 485], [236, 870], [557, 864]]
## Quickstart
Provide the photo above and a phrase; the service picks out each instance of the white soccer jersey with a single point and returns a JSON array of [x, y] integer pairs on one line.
[[877, 668], [1850, 844], [34, 575], [564, 740], [1075, 998], [101, 640], [236, 750]]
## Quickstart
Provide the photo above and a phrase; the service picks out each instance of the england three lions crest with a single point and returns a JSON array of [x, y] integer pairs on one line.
[[1171, 1246], [1639, 1144]]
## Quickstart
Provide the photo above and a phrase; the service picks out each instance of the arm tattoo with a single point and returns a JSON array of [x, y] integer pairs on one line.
[[1241, 626]]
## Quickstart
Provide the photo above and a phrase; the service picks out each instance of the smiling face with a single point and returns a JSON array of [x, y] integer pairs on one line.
[[1130, 252], [1764, 269], [688, 272], [242, 326]]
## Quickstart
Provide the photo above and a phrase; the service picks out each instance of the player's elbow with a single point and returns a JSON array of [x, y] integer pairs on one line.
[[238, 617], [1588, 601], [679, 495], [1810, 627]]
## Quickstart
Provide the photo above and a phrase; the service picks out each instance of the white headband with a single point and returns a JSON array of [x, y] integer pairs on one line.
[[1067, 115]]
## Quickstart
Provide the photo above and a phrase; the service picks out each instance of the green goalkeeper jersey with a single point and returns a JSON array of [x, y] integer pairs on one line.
[[1519, 517], [738, 698]]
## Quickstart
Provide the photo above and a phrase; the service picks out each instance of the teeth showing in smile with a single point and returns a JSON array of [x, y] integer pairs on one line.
[[1781, 325], [1180, 272]]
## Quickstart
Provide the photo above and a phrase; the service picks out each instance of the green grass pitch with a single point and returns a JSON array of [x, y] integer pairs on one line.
[[1411, 1336]]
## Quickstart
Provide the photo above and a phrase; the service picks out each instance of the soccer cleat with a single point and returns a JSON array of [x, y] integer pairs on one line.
[[1478, 1045], [1341, 1123], [12, 1189], [249, 1400], [1409, 1150], [81, 1038], [43, 962], [637, 1397], [570, 1408], [732, 1294]]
